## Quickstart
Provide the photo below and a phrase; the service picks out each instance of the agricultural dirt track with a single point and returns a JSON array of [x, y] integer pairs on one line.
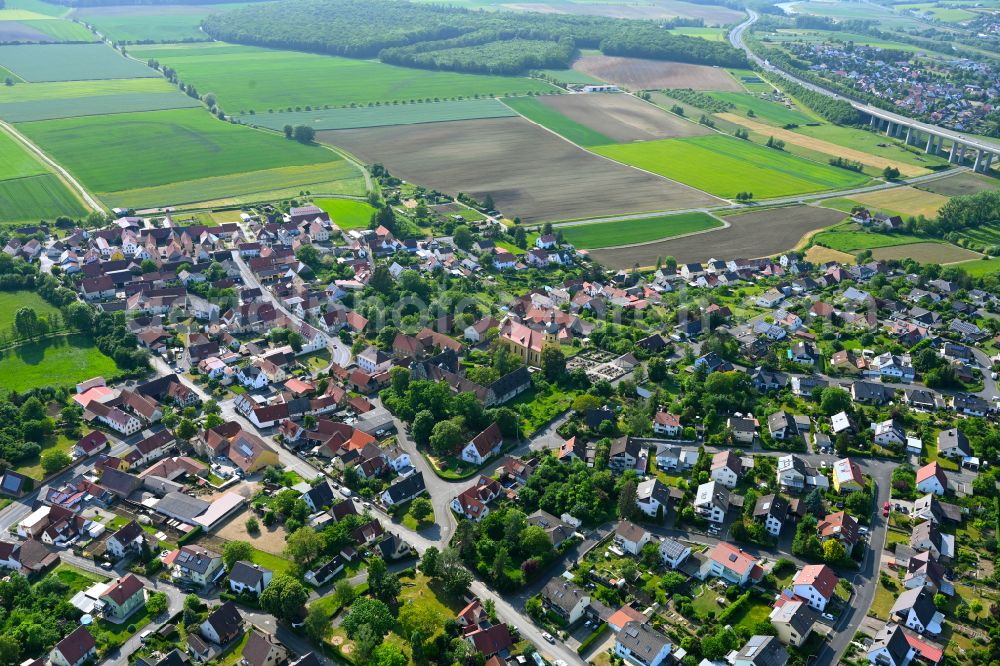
[[642, 74], [758, 234], [622, 117], [530, 172]]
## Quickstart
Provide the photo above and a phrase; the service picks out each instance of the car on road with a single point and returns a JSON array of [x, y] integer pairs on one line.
[[862, 531], [345, 491], [549, 637]]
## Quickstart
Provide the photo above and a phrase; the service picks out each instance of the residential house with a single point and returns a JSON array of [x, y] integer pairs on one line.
[[249, 577], [953, 444], [491, 641], [761, 651], [566, 599], [927, 536], [744, 430], [194, 564], [665, 423], [223, 625], [731, 564], [630, 537], [712, 501], [483, 446], [652, 496], [262, 649], [847, 476], [129, 539], [915, 609], [840, 526], [726, 468], [673, 553], [931, 479], [557, 530], [624, 454], [890, 647], [640, 644], [781, 425], [815, 583], [123, 597], [793, 621], [773, 511], [77, 648], [889, 433], [403, 489]]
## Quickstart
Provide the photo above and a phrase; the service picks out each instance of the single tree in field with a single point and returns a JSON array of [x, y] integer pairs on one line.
[[288, 131], [304, 134]]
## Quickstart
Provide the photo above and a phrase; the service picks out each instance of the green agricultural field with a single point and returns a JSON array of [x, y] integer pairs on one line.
[[70, 62], [627, 232], [347, 213], [751, 80], [946, 14], [533, 110], [872, 143], [58, 91], [764, 110], [139, 150], [723, 166], [60, 361], [981, 267], [339, 177], [152, 23], [11, 301], [246, 78], [62, 31], [34, 198], [19, 112], [381, 116], [37, 7], [17, 162], [570, 76]]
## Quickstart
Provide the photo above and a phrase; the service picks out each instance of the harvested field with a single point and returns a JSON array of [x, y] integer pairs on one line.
[[70, 62], [529, 172], [818, 254], [961, 184], [757, 234], [831, 149], [622, 118], [905, 200], [926, 253], [643, 74]]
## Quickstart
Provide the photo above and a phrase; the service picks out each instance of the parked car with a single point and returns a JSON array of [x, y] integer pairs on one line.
[[549, 637], [827, 616]]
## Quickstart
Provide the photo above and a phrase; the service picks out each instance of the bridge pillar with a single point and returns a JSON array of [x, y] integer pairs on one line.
[[899, 130], [989, 161], [953, 153], [909, 132], [979, 160], [930, 144], [874, 121], [889, 129]]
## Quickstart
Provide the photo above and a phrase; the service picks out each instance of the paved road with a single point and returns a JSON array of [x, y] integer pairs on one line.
[[736, 39]]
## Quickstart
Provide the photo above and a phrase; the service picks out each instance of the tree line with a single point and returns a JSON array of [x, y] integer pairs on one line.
[[440, 37]]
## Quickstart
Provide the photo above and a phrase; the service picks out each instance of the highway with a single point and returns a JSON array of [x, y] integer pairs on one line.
[[736, 39]]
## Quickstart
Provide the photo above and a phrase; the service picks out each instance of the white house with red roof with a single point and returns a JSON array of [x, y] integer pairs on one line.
[[473, 502], [815, 583], [931, 479], [665, 423], [624, 615], [483, 446], [731, 563]]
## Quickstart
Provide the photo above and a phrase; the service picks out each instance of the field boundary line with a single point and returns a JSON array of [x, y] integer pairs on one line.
[[63, 175], [604, 157]]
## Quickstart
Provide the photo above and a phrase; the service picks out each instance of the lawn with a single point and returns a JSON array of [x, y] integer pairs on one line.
[[380, 116], [76, 579], [347, 213], [60, 361], [626, 232], [988, 233], [33, 466], [10, 301], [536, 409], [765, 110], [980, 268], [275, 563], [166, 147], [549, 118], [246, 78], [70, 62], [884, 599], [723, 166]]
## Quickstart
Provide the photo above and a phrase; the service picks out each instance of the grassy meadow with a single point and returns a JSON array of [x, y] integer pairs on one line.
[[724, 166], [60, 361], [347, 213], [535, 111], [627, 232], [11, 301], [144, 23], [247, 78], [764, 110]]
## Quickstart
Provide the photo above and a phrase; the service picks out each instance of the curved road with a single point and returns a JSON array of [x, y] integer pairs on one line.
[[736, 39]]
